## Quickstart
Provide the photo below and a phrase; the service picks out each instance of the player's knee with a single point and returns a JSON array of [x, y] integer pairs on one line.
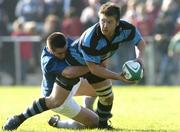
[[105, 94], [69, 108], [53, 102], [56, 103], [58, 99]]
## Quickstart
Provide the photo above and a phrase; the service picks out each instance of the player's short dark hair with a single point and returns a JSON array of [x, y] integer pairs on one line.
[[56, 40], [110, 9]]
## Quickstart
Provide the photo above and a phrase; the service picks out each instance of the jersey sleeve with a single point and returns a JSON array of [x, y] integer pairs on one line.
[[86, 47], [90, 58], [137, 37], [55, 66]]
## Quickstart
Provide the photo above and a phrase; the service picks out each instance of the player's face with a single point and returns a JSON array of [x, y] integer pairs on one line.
[[108, 25], [60, 53]]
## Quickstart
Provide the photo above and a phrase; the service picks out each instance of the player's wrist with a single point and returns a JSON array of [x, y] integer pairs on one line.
[[140, 61]]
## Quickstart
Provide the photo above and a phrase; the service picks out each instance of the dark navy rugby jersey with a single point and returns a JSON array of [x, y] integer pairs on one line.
[[93, 46], [51, 66]]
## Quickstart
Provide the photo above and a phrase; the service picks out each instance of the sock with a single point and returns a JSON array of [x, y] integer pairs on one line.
[[37, 107], [88, 102], [69, 124], [104, 113]]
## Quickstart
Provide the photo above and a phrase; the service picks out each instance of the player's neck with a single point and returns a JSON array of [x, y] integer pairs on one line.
[[110, 37]]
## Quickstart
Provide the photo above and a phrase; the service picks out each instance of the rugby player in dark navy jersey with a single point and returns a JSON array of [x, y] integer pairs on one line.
[[97, 44], [57, 97]]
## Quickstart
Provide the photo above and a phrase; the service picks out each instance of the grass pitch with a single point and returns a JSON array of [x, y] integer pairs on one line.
[[136, 109]]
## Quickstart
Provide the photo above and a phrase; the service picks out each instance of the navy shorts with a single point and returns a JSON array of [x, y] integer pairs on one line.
[[91, 78], [68, 84]]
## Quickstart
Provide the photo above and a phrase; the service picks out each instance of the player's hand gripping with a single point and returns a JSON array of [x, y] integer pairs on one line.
[[123, 79]]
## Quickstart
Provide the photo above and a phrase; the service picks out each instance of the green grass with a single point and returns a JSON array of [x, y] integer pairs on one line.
[[136, 108]]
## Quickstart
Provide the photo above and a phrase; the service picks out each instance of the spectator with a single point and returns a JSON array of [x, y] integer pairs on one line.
[[122, 4], [152, 10], [30, 29], [89, 15], [5, 47], [77, 5], [174, 46], [54, 7], [177, 25], [146, 16], [9, 7], [71, 25], [174, 54], [25, 48], [131, 13], [51, 24], [164, 28], [165, 23], [4, 19], [30, 10]]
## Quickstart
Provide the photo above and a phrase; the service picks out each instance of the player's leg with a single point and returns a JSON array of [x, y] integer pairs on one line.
[[82, 117], [14, 122], [89, 119], [104, 91], [105, 101], [71, 109], [88, 93], [85, 89], [56, 99], [88, 102]]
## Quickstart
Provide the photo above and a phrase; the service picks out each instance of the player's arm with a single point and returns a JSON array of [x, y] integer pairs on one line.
[[101, 71], [139, 49], [74, 71]]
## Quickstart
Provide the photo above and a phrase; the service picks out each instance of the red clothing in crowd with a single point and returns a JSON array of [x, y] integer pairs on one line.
[[72, 27], [25, 47]]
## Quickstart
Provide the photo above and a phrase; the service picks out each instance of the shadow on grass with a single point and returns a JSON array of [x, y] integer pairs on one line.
[[142, 130]]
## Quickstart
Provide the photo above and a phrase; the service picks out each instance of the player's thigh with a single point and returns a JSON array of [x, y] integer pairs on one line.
[[99, 85], [96, 81], [57, 96], [85, 89], [104, 91]]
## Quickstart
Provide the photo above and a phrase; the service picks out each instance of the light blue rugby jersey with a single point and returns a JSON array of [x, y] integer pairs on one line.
[[51, 66], [92, 46]]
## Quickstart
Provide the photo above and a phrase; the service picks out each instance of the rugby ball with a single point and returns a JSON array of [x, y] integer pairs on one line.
[[132, 70]]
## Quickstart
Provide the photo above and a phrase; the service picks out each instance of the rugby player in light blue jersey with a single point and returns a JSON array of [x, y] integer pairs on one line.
[[95, 46]]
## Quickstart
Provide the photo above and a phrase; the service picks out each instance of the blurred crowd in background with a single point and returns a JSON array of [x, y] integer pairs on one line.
[[157, 20]]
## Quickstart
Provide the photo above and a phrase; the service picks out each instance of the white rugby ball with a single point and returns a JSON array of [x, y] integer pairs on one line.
[[132, 70]]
